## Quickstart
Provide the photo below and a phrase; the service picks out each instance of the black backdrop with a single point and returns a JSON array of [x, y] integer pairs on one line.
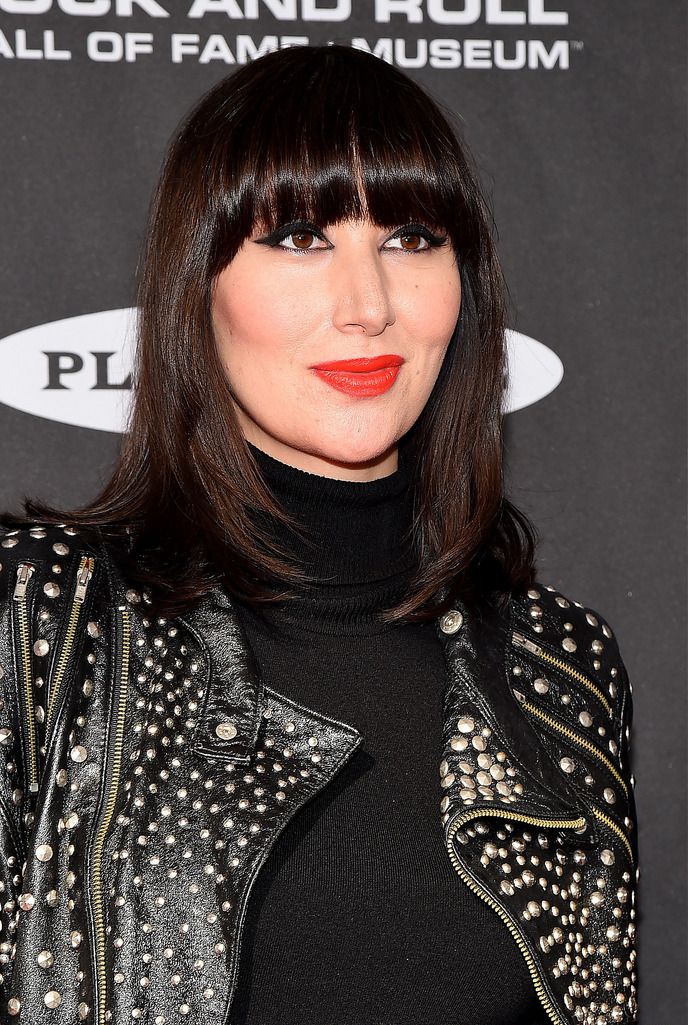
[[583, 152]]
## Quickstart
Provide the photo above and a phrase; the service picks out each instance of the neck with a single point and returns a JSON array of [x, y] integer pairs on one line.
[[357, 549]]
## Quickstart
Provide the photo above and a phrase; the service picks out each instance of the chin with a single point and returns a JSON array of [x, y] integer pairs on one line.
[[348, 452]]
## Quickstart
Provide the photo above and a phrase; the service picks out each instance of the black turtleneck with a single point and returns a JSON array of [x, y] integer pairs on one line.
[[357, 916]]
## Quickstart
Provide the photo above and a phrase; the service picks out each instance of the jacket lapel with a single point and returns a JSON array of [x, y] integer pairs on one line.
[[229, 724], [491, 754]]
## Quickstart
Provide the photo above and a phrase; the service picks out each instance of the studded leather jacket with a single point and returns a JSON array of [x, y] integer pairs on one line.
[[146, 772]]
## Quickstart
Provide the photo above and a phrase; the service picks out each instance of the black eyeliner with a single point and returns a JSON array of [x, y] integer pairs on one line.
[[294, 227], [423, 231], [279, 234]]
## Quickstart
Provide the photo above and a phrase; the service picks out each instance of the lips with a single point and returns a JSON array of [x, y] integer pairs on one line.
[[361, 364], [363, 377]]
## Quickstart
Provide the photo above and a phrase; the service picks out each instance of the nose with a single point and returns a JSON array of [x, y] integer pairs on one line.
[[362, 298]]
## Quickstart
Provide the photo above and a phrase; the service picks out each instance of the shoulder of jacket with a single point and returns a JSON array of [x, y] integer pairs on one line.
[[576, 634], [39, 542], [570, 626], [53, 550]]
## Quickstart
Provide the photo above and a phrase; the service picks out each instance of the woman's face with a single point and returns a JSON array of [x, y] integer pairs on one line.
[[345, 291]]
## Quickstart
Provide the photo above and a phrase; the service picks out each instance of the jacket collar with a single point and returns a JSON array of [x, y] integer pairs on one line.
[[477, 691], [228, 724]]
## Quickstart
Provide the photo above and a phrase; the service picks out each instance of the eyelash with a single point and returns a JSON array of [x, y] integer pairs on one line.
[[280, 234]]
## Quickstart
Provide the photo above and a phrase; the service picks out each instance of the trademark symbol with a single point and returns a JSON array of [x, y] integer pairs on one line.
[[577, 44]]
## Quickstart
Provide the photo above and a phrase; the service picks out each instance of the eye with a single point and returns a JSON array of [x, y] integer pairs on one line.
[[301, 240], [417, 234], [299, 233]]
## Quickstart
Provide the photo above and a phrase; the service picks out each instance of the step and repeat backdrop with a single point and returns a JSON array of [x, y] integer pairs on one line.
[[574, 111]]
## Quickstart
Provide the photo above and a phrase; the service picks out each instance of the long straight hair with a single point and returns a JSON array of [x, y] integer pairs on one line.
[[295, 134]]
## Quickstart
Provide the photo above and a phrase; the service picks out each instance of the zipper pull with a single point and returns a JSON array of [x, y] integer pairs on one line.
[[83, 577], [24, 571], [523, 642]]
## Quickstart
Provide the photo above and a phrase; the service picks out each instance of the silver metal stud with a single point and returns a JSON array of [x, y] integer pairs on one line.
[[451, 621], [226, 730]]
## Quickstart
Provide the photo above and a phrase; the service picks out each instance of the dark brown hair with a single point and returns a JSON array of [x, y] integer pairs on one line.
[[282, 138]]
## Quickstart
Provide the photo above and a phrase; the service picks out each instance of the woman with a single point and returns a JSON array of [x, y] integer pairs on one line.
[[230, 681]]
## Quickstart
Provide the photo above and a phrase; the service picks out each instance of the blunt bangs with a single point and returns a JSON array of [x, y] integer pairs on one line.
[[344, 136]]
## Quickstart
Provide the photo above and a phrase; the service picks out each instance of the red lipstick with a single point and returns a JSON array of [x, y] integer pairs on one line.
[[363, 376]]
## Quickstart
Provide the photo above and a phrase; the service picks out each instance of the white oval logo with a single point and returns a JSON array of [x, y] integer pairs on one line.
[[75, 371], [533, 371], [78, 371]]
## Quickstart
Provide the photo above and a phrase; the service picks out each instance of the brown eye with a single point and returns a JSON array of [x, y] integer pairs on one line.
[[302, 239], [417, 239], [294, 237]]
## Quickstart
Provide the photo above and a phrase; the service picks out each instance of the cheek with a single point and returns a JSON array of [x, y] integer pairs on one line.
[[248, 325], [448, 300], [435, 314], [254, 309], [236, 297]]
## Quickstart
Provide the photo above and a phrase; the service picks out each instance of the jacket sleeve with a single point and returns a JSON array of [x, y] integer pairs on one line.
[[576, 634], [14, 737], [623, 717], [572, 681], [623, 708], [606, 664], [38, 567], [625, 712]]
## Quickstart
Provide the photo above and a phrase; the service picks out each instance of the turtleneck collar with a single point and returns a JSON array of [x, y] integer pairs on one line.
[[358, 550]]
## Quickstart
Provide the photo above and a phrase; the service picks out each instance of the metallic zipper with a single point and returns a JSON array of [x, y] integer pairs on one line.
[[520, 641], [575, 738], [83, 577], [24, 573], [461, 820], [611, 824], [113, 768]]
